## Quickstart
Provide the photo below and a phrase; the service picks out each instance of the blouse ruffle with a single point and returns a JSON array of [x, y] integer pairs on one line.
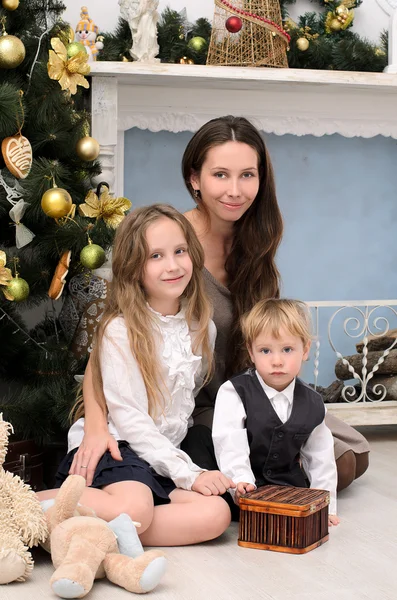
[[181, 367]]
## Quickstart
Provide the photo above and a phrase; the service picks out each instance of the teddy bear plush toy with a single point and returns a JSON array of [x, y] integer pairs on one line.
[[85, 548], [22, 522], [86, 33]]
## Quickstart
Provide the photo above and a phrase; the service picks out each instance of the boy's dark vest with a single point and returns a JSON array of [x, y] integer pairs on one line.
[[275, 446]]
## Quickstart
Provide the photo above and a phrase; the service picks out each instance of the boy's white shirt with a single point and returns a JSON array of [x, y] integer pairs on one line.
[[231, 442], [155, 440]]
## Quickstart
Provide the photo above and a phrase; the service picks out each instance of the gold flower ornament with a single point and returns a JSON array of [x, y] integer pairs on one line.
[[69, 72], [105, 207]]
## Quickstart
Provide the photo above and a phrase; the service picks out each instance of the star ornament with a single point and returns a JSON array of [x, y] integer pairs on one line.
[[106, 207], [69, 72], [5, 274]]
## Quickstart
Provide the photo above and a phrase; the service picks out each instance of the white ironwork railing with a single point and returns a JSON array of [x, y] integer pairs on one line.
[[352, 320]]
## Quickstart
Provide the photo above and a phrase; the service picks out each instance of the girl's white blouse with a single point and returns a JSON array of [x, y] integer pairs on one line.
[[155, 440]]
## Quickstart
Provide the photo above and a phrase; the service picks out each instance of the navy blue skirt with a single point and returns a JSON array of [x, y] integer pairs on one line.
[[131, 468]]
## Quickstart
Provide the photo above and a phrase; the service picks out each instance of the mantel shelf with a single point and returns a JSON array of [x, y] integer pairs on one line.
[[166, 74], [175, 98]]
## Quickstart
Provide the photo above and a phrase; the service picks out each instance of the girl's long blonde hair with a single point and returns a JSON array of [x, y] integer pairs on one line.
[[127, 298]]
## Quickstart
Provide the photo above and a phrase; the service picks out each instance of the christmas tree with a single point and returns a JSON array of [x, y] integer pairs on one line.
[[51, 233]]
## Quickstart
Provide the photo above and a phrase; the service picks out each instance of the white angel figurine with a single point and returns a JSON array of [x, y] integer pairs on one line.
[[142, 17]]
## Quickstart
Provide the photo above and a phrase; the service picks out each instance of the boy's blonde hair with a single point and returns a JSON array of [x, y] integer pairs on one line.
[[273, 314], [127, 297]]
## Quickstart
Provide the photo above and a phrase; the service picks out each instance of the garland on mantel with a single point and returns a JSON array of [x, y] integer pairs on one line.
[[325, 40], [319, 40]]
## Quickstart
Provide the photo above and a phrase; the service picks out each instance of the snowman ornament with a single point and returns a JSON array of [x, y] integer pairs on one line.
[[86, 34]]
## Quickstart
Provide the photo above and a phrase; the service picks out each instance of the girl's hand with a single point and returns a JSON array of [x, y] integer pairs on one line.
[[242, 488], [92, 448], [333, 520], [212, 483]]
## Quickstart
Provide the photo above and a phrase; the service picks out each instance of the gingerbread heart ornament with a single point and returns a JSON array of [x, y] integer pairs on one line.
[[17, 154]]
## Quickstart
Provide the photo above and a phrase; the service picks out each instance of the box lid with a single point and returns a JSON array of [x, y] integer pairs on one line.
[[285, 500]]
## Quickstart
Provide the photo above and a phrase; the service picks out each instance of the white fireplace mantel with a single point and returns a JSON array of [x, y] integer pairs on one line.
[[173, 97]]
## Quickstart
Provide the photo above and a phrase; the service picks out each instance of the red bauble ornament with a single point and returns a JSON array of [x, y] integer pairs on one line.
[[233, 24]]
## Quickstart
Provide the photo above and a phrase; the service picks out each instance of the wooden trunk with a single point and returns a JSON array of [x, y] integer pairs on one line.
[[284, 519]]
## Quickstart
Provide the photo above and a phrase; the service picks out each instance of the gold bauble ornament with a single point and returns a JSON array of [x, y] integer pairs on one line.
[[197, 43], [302, 44], [335, 25], [12, 51], [10, 4], [342, 10], [92, 256], [17, 290], [74, 48], [56, 203], [87, 148]]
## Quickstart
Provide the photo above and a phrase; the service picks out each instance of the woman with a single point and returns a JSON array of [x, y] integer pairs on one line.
[[228, 172]]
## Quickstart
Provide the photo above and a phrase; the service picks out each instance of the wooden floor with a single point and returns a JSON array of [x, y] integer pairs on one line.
[[358, 563]]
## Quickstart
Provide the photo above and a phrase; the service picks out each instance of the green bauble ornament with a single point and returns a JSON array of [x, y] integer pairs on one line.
[[74, 48], [92, 256], [17, 290], [197, 43]]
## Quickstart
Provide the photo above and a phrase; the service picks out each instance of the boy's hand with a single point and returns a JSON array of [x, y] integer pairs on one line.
[[212, 483], [242, 488], [333, 520]]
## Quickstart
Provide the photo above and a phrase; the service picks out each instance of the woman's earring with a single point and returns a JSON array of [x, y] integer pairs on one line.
[[196, 194]]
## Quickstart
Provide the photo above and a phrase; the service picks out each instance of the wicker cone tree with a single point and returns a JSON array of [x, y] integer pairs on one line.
[[261, 40]]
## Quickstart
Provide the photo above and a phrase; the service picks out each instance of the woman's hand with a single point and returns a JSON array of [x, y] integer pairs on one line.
[[92, 448], [212, 483]]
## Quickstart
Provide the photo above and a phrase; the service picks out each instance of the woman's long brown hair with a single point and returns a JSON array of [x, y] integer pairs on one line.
[[250, 266], [127, 298]]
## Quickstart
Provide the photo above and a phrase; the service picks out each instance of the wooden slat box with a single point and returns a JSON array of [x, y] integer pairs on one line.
[[285, 519]]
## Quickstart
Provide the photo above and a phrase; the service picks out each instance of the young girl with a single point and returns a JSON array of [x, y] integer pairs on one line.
[[266, 420], [153, 350]]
